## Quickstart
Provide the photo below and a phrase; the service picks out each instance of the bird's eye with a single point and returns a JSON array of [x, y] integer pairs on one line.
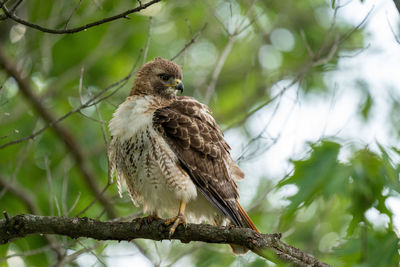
[[164, 77]]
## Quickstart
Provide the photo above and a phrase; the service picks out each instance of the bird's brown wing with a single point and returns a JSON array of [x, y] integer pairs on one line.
[[198, 142]]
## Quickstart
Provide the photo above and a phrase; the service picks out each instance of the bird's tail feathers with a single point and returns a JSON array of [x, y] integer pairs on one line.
[[245, 218], [246, 221]]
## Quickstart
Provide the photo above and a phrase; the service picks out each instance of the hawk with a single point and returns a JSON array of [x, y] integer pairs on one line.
[[171, 153]]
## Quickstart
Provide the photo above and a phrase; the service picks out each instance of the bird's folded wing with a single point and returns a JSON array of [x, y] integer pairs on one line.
[[198, 143]]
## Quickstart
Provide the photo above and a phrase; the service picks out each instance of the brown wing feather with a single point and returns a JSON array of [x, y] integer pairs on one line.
[[198, 142]]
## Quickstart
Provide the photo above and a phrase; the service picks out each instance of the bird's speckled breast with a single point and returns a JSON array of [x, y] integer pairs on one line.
[[140, 156]]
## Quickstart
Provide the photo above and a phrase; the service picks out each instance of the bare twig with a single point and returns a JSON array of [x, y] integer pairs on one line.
[[124, 14], [88, 249], [146, 48], [74, 256], [263, 244], [102, 126], [64, 190], [72, 13], [81, 84], [192, 41], [27, 253], [220, 63], [94, 201], [225, 53], [49, 184], [16, 6], [308, 47], [298, 78], [74, 204], [396, 38]]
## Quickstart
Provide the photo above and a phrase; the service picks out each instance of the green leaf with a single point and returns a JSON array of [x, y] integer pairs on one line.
[[392, 173], [366, 101], [370, 248], [320, 174], [370, 176], [366, 107]]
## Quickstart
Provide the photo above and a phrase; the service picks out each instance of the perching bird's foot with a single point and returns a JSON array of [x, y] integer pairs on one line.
[[151, 218], [175, 221], [145, 220]]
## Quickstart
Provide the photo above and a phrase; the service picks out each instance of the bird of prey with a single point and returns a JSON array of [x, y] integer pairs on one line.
[[171, 153]]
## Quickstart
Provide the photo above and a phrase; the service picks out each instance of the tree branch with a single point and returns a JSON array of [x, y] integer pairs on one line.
[[124, 14], [26, 224]]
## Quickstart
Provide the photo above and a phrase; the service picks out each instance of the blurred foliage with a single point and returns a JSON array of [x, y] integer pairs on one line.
[[278, 41], [363, 183]]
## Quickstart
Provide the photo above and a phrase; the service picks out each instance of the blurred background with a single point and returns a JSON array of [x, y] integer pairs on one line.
[[307, 93]]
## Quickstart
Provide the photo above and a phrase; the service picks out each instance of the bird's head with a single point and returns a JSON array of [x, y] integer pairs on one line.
[[158, 77]]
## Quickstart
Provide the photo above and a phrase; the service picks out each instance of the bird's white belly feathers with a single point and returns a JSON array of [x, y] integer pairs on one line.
[[140, 156]]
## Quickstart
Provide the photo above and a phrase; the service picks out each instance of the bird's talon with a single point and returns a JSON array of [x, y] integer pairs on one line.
[[153, 217], [145, 220], [180, 219], [169, 221], [138, 224]]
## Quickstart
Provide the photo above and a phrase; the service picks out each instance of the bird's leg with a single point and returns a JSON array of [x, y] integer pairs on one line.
[[179, 219]]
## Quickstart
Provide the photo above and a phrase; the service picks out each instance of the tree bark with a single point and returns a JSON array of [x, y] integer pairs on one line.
[[268, 246]]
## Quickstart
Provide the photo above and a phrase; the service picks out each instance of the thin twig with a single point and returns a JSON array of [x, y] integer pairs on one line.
[[225, 53], [90, 249], [77, 29], [50, 185], [72, 13], [220, 63], [93, 202], [27, 253], [146, 48], [64, 190], [396, 38], [192, 41], [74, 204]]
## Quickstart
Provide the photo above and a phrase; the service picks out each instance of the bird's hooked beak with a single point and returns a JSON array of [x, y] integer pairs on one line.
[[179, 85]]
